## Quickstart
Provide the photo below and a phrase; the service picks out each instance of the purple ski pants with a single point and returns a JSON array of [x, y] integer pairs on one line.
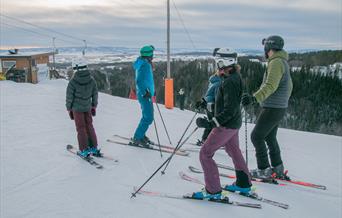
[[220, 137]]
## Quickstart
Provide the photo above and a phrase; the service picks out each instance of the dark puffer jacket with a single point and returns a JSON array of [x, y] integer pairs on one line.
[[227, 104], [82, 92]]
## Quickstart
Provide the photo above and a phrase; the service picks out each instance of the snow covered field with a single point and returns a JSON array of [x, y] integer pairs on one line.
[[39, 178]]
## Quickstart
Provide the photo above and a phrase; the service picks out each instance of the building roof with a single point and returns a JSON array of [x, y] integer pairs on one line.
[[26, 55]]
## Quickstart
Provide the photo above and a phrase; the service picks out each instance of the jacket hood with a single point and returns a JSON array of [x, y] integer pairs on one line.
[[214, 79], [82, 76], [279, 54], [139, 62]]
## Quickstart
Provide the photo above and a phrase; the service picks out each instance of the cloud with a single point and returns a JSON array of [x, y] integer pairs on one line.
[[241, 23], [300, 5]]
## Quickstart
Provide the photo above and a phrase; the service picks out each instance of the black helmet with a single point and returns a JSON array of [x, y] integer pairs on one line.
[[273, 42]]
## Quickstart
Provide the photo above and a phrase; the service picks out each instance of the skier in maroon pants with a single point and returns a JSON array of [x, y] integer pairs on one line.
[[81, 102]]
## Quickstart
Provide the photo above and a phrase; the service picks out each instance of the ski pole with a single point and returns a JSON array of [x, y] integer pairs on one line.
[[245, 109], [246, 138], [155, 127], [134, 194], [155, 172], [166, 161], [167, 133], [176, 149], [180, 140]]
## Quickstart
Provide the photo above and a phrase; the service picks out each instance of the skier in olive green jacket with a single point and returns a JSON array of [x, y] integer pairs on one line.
[[81, 102], [273, 96]]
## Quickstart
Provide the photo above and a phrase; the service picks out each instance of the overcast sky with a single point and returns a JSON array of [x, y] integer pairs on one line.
[[304, 24]]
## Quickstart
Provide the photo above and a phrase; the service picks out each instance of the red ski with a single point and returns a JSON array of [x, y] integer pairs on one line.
[[286, 179]]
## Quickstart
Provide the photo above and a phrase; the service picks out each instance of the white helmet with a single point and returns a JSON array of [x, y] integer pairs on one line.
[[224, 57], [79, 64]]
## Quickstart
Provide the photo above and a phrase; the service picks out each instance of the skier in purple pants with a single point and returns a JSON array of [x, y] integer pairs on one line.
[[226, 124]]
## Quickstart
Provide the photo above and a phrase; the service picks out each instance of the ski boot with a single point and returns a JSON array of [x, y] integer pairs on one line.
[[235, 188], [265, 174], [95, 152], [84, 154], [140, 143], [280, 173], [204, 194], [148, 141]]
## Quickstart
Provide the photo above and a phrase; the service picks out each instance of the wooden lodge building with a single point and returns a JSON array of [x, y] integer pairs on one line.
[[23, 67]]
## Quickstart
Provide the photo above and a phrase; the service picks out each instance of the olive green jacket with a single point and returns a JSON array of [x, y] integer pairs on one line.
[[276, 87]]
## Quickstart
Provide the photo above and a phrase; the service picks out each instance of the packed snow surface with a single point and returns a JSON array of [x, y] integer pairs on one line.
[[39, 178]]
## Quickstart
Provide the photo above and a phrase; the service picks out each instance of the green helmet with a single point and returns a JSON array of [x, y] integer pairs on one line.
[[273, 42], [147, 51]]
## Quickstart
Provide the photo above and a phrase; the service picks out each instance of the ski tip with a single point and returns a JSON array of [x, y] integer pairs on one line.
[[191, 167], [194, 169]]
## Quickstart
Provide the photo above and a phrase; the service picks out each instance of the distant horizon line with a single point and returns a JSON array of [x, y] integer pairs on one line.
[[6, 48]]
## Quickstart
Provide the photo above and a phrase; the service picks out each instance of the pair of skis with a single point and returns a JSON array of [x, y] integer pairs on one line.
[[90, 159], [225, 200], [288, 180], [163, 148], [252, 195], [270, 181]]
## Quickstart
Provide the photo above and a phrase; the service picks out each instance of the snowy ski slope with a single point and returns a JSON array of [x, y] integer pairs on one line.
[[39, 178]]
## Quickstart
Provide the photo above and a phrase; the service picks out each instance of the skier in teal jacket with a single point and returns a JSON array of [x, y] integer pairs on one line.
[[145, 90]]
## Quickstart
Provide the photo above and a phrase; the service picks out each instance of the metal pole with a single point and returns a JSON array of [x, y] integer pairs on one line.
[[245, 108], [246, 138], [168, 40], [180, 140], [54, 51], [155, 127], [161, 117], [85, 47], [167, 161]]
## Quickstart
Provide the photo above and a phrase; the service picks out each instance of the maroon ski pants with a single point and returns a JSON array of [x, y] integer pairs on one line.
[[220, 137], [85, 129]]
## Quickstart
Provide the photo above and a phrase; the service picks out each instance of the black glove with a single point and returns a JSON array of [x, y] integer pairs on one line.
[[201, 104], [93, 111], [204, 123], [71, 115], [147, 94], [248, 99]]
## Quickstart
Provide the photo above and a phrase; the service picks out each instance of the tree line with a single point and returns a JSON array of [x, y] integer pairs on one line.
[[315, 104]]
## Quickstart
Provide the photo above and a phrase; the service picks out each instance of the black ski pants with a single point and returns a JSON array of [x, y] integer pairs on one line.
[[264, 137], [207, 131]]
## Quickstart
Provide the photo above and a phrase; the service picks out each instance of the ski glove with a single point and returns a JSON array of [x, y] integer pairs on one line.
[[93, 111], [205, 123], [71, 115], [202, 104], [147, 94], [248, 99]]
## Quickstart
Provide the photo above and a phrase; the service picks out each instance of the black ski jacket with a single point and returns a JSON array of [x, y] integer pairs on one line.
[[227, 104]]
